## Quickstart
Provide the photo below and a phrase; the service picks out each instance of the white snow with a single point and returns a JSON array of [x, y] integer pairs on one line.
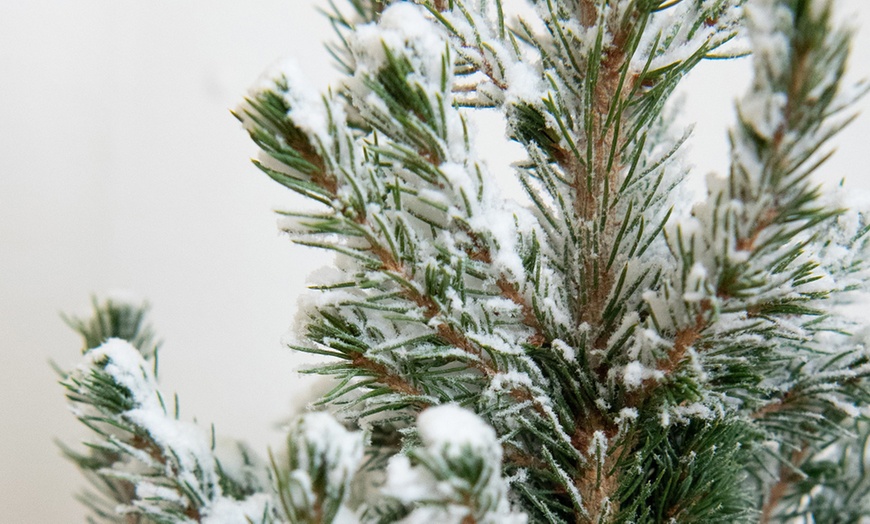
[[345, 515], [149, 490], [452, 432], [562, 347], [342, 449], [230, 511], [625, 418], [125, 364], [307, 107], [407, 483], [188, 443], [402, 26], [763, 111], [452, 427], [696, 284], [632, 375], [525, 82], [598, 447]]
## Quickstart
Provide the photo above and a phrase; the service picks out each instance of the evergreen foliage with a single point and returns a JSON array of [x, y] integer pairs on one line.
[[612, 351]]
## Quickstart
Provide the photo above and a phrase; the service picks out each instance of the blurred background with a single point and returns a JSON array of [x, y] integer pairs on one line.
[[121, 168]]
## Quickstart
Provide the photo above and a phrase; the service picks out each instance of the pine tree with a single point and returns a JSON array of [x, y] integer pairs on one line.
[[610, 351]]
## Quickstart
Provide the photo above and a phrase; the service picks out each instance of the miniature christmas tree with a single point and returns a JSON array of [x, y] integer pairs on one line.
[[610, 351]]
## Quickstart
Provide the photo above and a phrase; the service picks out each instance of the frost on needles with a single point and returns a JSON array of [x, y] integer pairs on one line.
[[610, 350]]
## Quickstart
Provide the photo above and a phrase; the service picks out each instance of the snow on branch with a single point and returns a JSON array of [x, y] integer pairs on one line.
[[619, 350], [455, 477], [151, 463]]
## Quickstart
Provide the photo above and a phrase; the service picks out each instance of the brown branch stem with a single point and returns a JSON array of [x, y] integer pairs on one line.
[[595, 183], [776, 492]]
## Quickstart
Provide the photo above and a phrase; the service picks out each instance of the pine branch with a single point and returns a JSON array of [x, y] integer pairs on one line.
[[455, 476], [116, 317], [146, 465], [831, 485], [477, 250], [323, 457], [776, 493], [765, 276], [592, 158], [602, 356], [604, 339]]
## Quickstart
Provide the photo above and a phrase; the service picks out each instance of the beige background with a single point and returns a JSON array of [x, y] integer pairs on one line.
[[121, 168]]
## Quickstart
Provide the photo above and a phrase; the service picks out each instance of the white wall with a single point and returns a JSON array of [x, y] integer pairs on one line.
[[121, 167]]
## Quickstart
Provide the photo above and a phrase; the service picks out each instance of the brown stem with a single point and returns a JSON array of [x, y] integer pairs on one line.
[[596, 486], [587, 12], [685, 339], [446, 332], [149, 446], [787, 476], [386, 377], [509, 290], [522, 458], [591, 180], [773, 407], [599, 174], [320, 175]]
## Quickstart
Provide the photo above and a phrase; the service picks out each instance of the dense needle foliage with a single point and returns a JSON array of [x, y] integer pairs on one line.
[[611, 349]]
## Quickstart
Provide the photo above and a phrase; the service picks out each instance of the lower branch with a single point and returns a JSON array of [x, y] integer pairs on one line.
[[787, 476]]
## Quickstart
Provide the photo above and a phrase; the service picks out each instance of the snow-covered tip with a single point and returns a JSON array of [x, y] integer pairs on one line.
[[451, 428], [185, 455], [598, 446], [406, 28], [318, 441], [308, 111], [762, 108], [125, 364], [697, 286], [445, 481]]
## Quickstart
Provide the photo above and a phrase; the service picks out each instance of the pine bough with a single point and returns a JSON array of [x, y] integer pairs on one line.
[[612, 351]]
